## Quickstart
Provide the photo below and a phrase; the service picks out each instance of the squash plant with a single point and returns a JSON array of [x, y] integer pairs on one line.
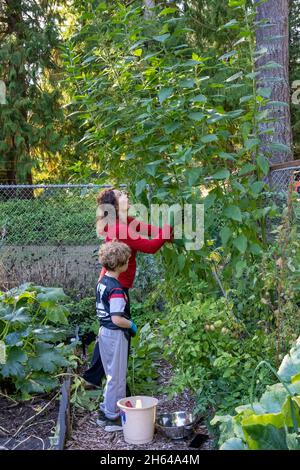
[[272, 423], [33, 328]]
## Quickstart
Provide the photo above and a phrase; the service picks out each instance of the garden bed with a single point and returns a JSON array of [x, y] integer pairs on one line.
[[28, 425], [88, 436]]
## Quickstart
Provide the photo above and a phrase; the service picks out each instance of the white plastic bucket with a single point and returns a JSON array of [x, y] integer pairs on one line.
[[138, 423]]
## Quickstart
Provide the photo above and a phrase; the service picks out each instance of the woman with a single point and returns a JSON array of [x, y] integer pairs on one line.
[[116, 224]]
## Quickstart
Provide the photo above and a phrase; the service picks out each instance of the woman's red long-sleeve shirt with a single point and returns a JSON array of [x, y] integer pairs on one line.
[[132, 234]]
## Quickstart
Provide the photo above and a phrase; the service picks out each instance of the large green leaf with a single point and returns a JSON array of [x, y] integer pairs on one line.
[[265, 437], [209, 200], [198, 99], [247, 168], [187, 83], [257, 187], [164, 93], [221, 174], [162, 37], [140, 186], [16, 338], [48, 358], [240, 243], [48, 333], [18, 316], [225, 234], [50, 295], [169, 128], [57, 314], [273, 398], [193, 175], [226, 425], [26, 297], [234, 443], [290, 365], [181, 260], [14, 366], [263, 164], [279, 147], [209, 138], [240, 267], [275, 419], [234, 77], [227, 156], [37, 382], [291, 411], [234, 213], [231, 24], [196, 116], [151, 168]]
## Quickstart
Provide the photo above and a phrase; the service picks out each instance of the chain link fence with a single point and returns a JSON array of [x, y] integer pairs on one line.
[[64, 214], [48, 214], [281, 179], [48, 236]]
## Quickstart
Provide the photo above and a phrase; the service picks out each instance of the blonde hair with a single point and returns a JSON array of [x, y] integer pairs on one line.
[[114, 254]]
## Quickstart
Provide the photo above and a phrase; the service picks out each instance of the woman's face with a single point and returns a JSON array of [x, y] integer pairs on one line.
[[123, 200]]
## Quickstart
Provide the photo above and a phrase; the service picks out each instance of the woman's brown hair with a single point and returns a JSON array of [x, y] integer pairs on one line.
[[105, 197]]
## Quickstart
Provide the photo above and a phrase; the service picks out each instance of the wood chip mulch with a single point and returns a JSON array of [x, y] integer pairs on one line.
[[87, 435]]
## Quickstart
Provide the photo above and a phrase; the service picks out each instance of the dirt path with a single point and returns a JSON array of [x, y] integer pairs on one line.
[[88, 436]]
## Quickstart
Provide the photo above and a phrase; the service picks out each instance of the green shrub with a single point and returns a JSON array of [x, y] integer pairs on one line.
[[83, 315], [212, 352], [142, 367]]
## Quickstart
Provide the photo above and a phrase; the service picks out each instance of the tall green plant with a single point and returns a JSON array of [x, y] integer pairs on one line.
[[157, 114]]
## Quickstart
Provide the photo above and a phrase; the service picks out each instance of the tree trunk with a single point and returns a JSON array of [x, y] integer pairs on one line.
[[275, 39], [148, 12]]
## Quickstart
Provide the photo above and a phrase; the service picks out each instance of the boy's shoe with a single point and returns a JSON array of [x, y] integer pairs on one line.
[[102, 419], [113, 425], [109, 425]]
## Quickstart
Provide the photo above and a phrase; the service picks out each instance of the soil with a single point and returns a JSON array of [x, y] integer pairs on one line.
[[87, 435], [19, 432]]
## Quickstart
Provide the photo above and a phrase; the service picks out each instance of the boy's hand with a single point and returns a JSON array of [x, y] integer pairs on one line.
[[133, 328]]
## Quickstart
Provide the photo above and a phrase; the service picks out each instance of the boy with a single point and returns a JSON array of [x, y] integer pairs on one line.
[[115, 330]]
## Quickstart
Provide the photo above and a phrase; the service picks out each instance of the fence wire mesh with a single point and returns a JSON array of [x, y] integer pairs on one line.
[[48, 236], [48, 214], [65, 214], [280, 180]]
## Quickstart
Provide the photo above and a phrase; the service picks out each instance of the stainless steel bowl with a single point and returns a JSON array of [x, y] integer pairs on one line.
[[176, 425]]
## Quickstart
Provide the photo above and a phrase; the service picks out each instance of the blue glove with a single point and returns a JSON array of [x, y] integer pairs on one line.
[[133, 328]]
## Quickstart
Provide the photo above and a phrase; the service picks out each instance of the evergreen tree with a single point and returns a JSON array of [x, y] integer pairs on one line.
[[29, 38]]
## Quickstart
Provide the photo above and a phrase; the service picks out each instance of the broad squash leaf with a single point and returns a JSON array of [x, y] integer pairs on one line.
[[234, 443], [14, 365], [48, 358], [268, 437]]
